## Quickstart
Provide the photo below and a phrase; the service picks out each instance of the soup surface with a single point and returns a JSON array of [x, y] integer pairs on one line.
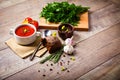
[[24, 31]]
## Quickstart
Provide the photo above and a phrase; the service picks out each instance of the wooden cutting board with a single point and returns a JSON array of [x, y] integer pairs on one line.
[[25, 51], [82, 26]]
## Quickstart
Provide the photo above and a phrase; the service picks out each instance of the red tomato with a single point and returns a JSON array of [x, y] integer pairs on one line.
[[28, 19], [35, 23]]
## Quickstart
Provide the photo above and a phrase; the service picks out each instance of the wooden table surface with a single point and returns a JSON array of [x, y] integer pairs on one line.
[[97, 56]]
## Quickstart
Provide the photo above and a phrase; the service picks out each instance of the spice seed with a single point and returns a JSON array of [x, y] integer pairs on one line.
[[44, 75], [57, 72], [68, 62], [63, 55], [38, 70], [68, 71], [47, 64], [51, 69], [51, 64], [60, 63]]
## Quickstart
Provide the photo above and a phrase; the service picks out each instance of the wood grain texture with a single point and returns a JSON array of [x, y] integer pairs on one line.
[[117, 2], [83, 24], [104, 14], [25, 51], [110, 70], [100, 20], [87, 58]]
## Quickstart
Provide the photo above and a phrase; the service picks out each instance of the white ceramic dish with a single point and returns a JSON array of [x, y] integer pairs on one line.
[[25, 40]]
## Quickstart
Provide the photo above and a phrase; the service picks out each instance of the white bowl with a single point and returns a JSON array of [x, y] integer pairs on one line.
[[25, 40]]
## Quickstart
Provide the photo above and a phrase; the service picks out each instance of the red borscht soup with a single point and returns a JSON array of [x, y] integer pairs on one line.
[[24, 31]]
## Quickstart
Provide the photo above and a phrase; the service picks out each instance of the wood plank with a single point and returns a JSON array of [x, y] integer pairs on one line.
[[117, 2], [13, 15], [16, 17], [33, 8], [109, 70], [100, 20], [24, 51], [93, 20], [83, 24], [11, 63], [89, 54], [8, 3], [93, 4]]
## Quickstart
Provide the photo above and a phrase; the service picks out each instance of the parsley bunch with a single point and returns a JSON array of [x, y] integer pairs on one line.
[[63, 12]]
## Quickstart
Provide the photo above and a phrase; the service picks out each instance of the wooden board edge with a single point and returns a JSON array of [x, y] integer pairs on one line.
[[52, 26]]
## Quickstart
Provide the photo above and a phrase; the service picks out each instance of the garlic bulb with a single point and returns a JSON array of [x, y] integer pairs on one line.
[[68, 41], [68, 49]]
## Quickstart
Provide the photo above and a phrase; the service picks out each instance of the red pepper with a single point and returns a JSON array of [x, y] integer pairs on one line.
[[31, 21], [35, 23], [28, 19]]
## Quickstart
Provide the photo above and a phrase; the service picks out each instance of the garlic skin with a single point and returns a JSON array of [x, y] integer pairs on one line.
[[68, 41], [68, 49]]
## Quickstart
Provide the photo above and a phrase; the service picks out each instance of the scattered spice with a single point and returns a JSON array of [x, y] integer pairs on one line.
[[63, 68], [44, 75], [51, 64], [57, 72], [68, 62], [63, 55], [60, 63], [51, 69], [38, 70], [68, 71], [72, 58], [63, 61], [46, 64]]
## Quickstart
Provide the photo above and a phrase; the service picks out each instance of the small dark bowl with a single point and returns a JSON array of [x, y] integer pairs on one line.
[[65, 34]]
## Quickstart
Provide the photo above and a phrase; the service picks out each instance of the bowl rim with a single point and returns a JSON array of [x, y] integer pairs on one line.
[[30, 25], [69, 25]]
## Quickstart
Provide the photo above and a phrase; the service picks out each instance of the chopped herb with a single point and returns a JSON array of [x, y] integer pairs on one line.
[[63, 12], [53, 57]]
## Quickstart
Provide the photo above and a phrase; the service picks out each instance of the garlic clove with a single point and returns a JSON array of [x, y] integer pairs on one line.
[[68, 49], [68, 41]]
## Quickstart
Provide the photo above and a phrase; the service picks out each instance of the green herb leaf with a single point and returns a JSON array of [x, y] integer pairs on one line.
[[46, 59], [63, 12], [55, 57]]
